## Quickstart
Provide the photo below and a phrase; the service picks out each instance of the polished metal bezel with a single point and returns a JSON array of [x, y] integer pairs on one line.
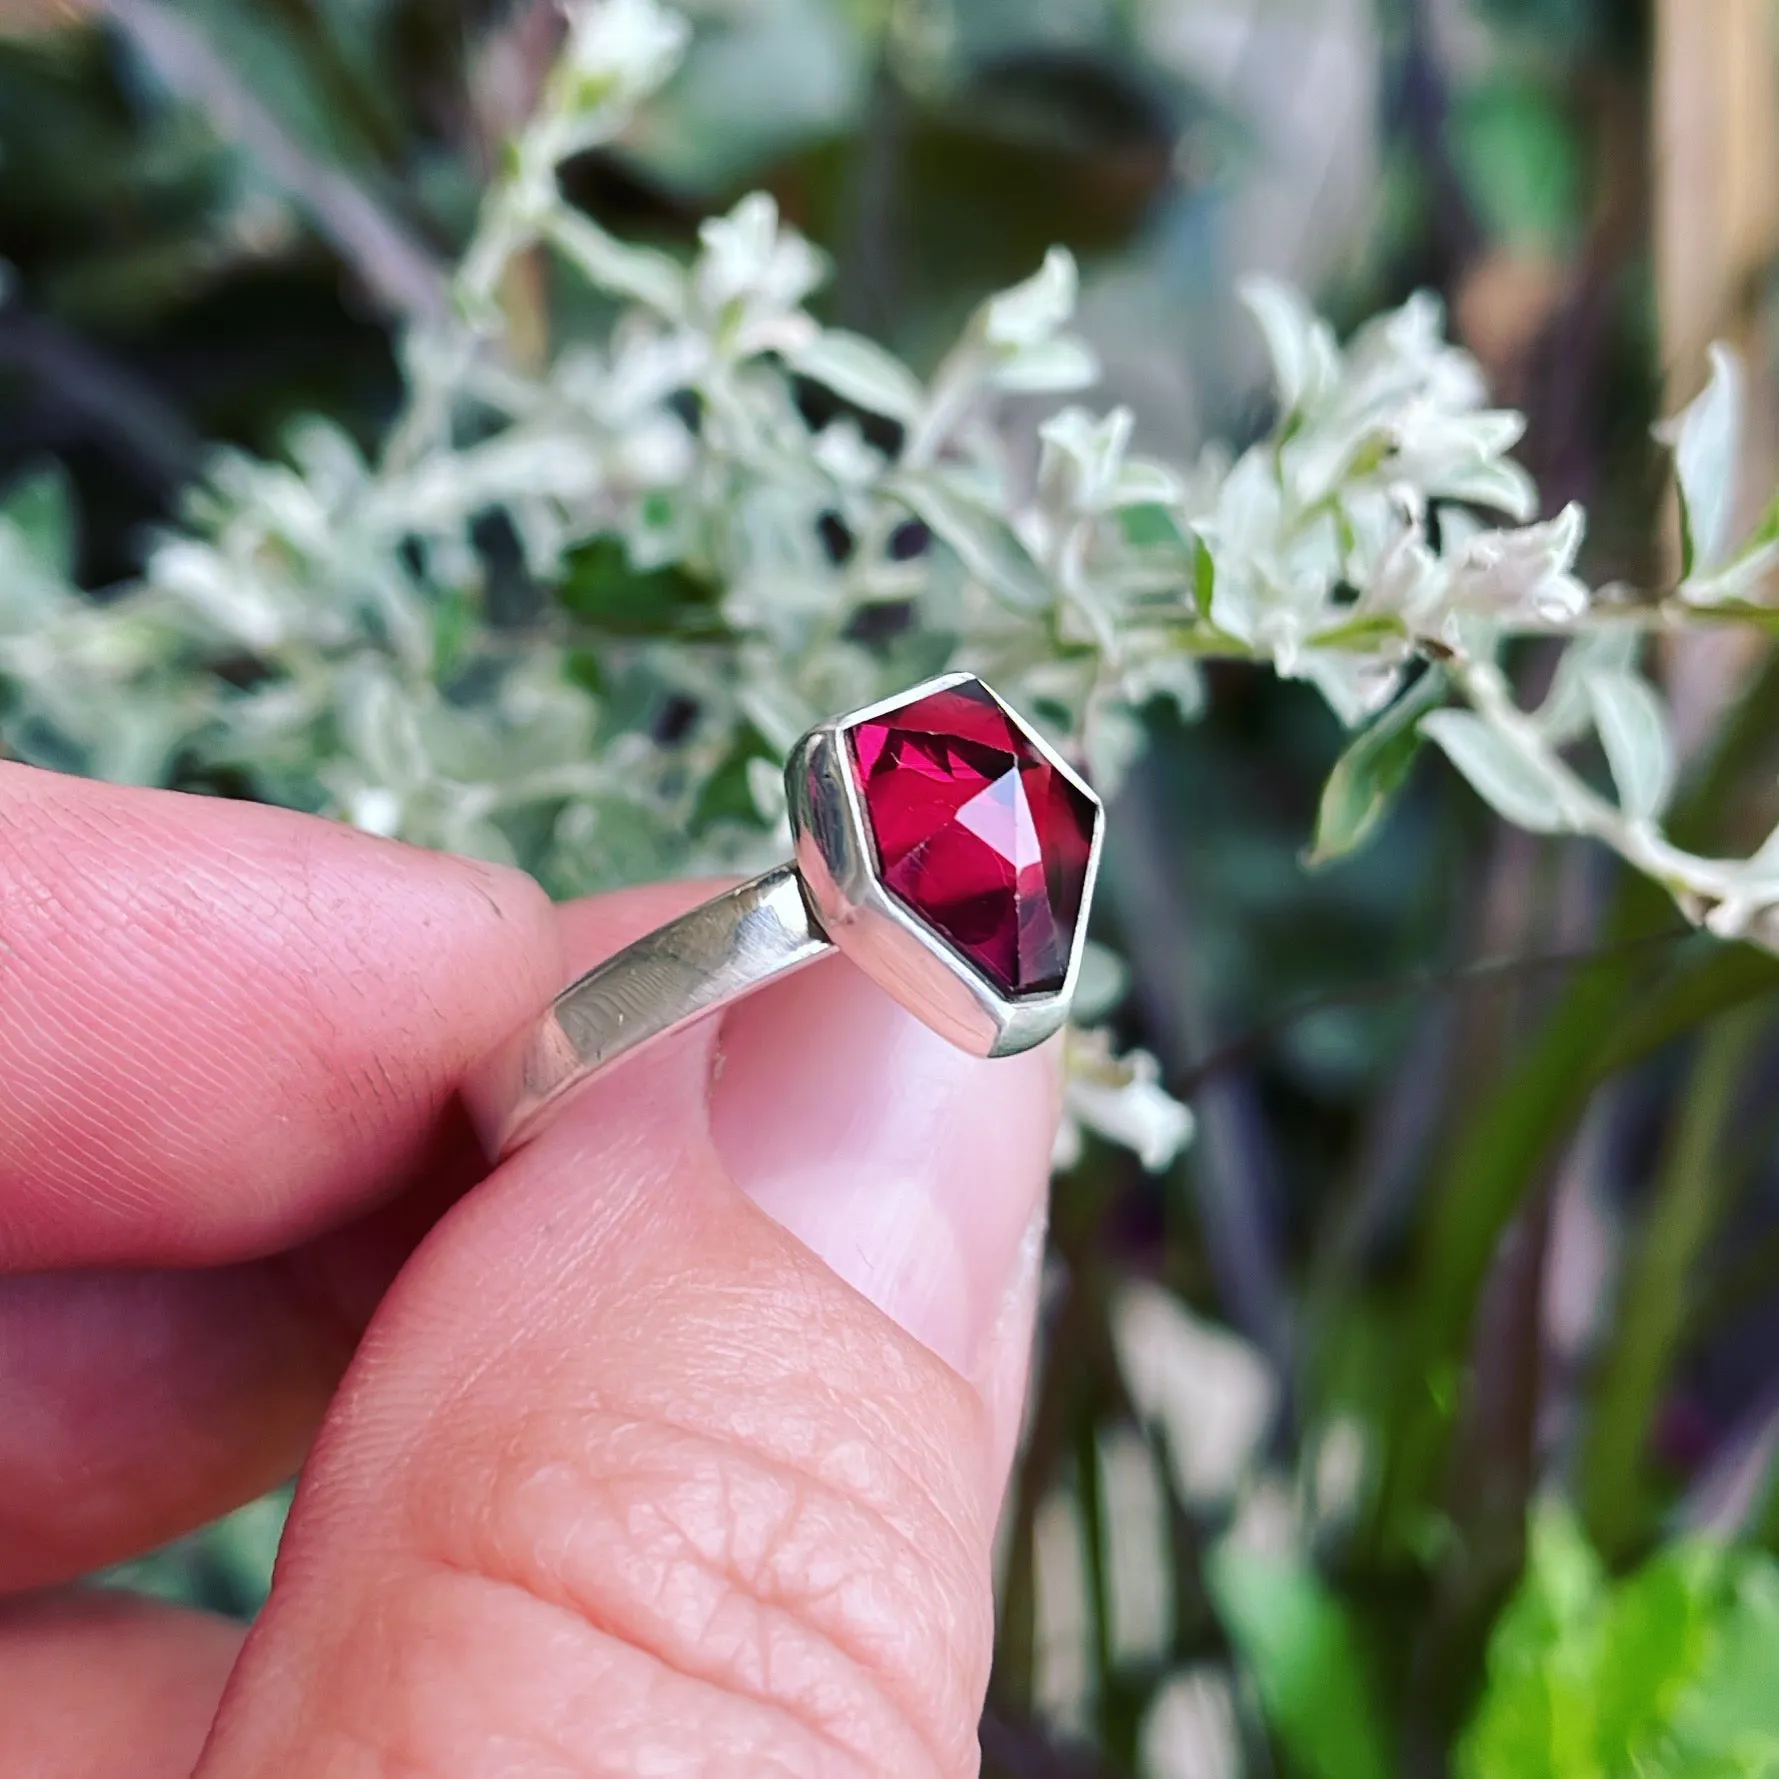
[[837, 859]]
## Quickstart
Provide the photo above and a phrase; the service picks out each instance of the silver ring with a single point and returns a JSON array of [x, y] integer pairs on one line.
[[941, 844]]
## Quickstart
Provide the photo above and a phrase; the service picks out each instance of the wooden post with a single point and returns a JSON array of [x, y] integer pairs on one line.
[[1716, 220]]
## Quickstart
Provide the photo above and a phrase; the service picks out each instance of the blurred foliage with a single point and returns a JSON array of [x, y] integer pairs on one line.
[[1669, 1671], [226, 1567], [1485, 1175]]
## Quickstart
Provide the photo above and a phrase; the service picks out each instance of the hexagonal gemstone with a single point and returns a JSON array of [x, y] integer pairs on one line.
[[977, 834]]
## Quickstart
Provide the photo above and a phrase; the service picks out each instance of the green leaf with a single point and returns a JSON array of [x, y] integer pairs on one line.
[[1517, 783], [41, 507], [1373, 769], [1741, 612], [1729, 1720], [1616, 1011], [727, 795], [1767, 530], [1151, 525], [1519, 155], [1656, 1637], [1692, 1192], [1361, 636], [604, 591], [1302, 1649], [1671, 1674], [1204, 581], [454, 623], [861, 372], [1536, 1718]]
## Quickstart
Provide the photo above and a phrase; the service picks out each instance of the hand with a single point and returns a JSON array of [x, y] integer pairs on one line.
[[633, 1472]]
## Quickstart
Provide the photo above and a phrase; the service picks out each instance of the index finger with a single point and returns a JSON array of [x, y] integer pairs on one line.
[[225, 1027]]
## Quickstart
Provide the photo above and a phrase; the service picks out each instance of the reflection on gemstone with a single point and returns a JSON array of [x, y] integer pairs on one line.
[[977, 833]]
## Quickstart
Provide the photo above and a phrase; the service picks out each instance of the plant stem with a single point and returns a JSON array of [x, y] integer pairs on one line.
[[1611, 1018], [1651, 1313], [397, 270]]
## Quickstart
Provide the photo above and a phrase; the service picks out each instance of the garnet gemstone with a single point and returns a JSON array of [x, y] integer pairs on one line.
[[977, 834]]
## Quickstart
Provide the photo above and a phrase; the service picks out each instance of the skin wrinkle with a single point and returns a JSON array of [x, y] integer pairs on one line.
[[213, 1123], [583, 1614], [641, 1491], [364, 1110], [796, 1432], [666, 1701], [550, 1261], [877, 1436], [652, 1243]]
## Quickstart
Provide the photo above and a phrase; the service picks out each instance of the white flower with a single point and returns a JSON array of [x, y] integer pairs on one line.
[[654, 453], [1401, 404], [1519, 577], [1084, 466], [1305, 355], [1274, 589], [624, 48], [753, 269], [1122, 1099], [1462, 455], [1404, 355], [1036, 311], [1749, 909], [1406, 580], [238, 605], [1025, 330], [1081, 458], [1210, 1392], [1523, 576]]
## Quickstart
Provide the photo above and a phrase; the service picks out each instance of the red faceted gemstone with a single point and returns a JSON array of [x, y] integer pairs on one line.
[[977, 833]]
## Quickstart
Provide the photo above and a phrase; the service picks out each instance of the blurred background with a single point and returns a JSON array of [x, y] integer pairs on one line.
[[1484, 1205]]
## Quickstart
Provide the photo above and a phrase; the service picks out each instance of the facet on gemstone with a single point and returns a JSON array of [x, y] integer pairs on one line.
[[977, 834]]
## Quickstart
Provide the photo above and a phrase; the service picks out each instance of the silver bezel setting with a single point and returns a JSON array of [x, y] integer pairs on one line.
[[837, 860]]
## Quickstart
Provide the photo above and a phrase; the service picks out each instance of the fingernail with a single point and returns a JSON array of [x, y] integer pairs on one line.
[[914, 1171]]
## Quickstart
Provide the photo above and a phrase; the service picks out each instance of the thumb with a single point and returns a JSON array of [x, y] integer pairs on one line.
[[639, 1472]]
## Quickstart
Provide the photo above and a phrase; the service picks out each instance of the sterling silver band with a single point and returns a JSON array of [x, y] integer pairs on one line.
[[831, 898], [671, 977]]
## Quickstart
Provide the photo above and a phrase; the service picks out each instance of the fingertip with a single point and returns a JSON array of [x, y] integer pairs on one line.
[[193, 982]]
